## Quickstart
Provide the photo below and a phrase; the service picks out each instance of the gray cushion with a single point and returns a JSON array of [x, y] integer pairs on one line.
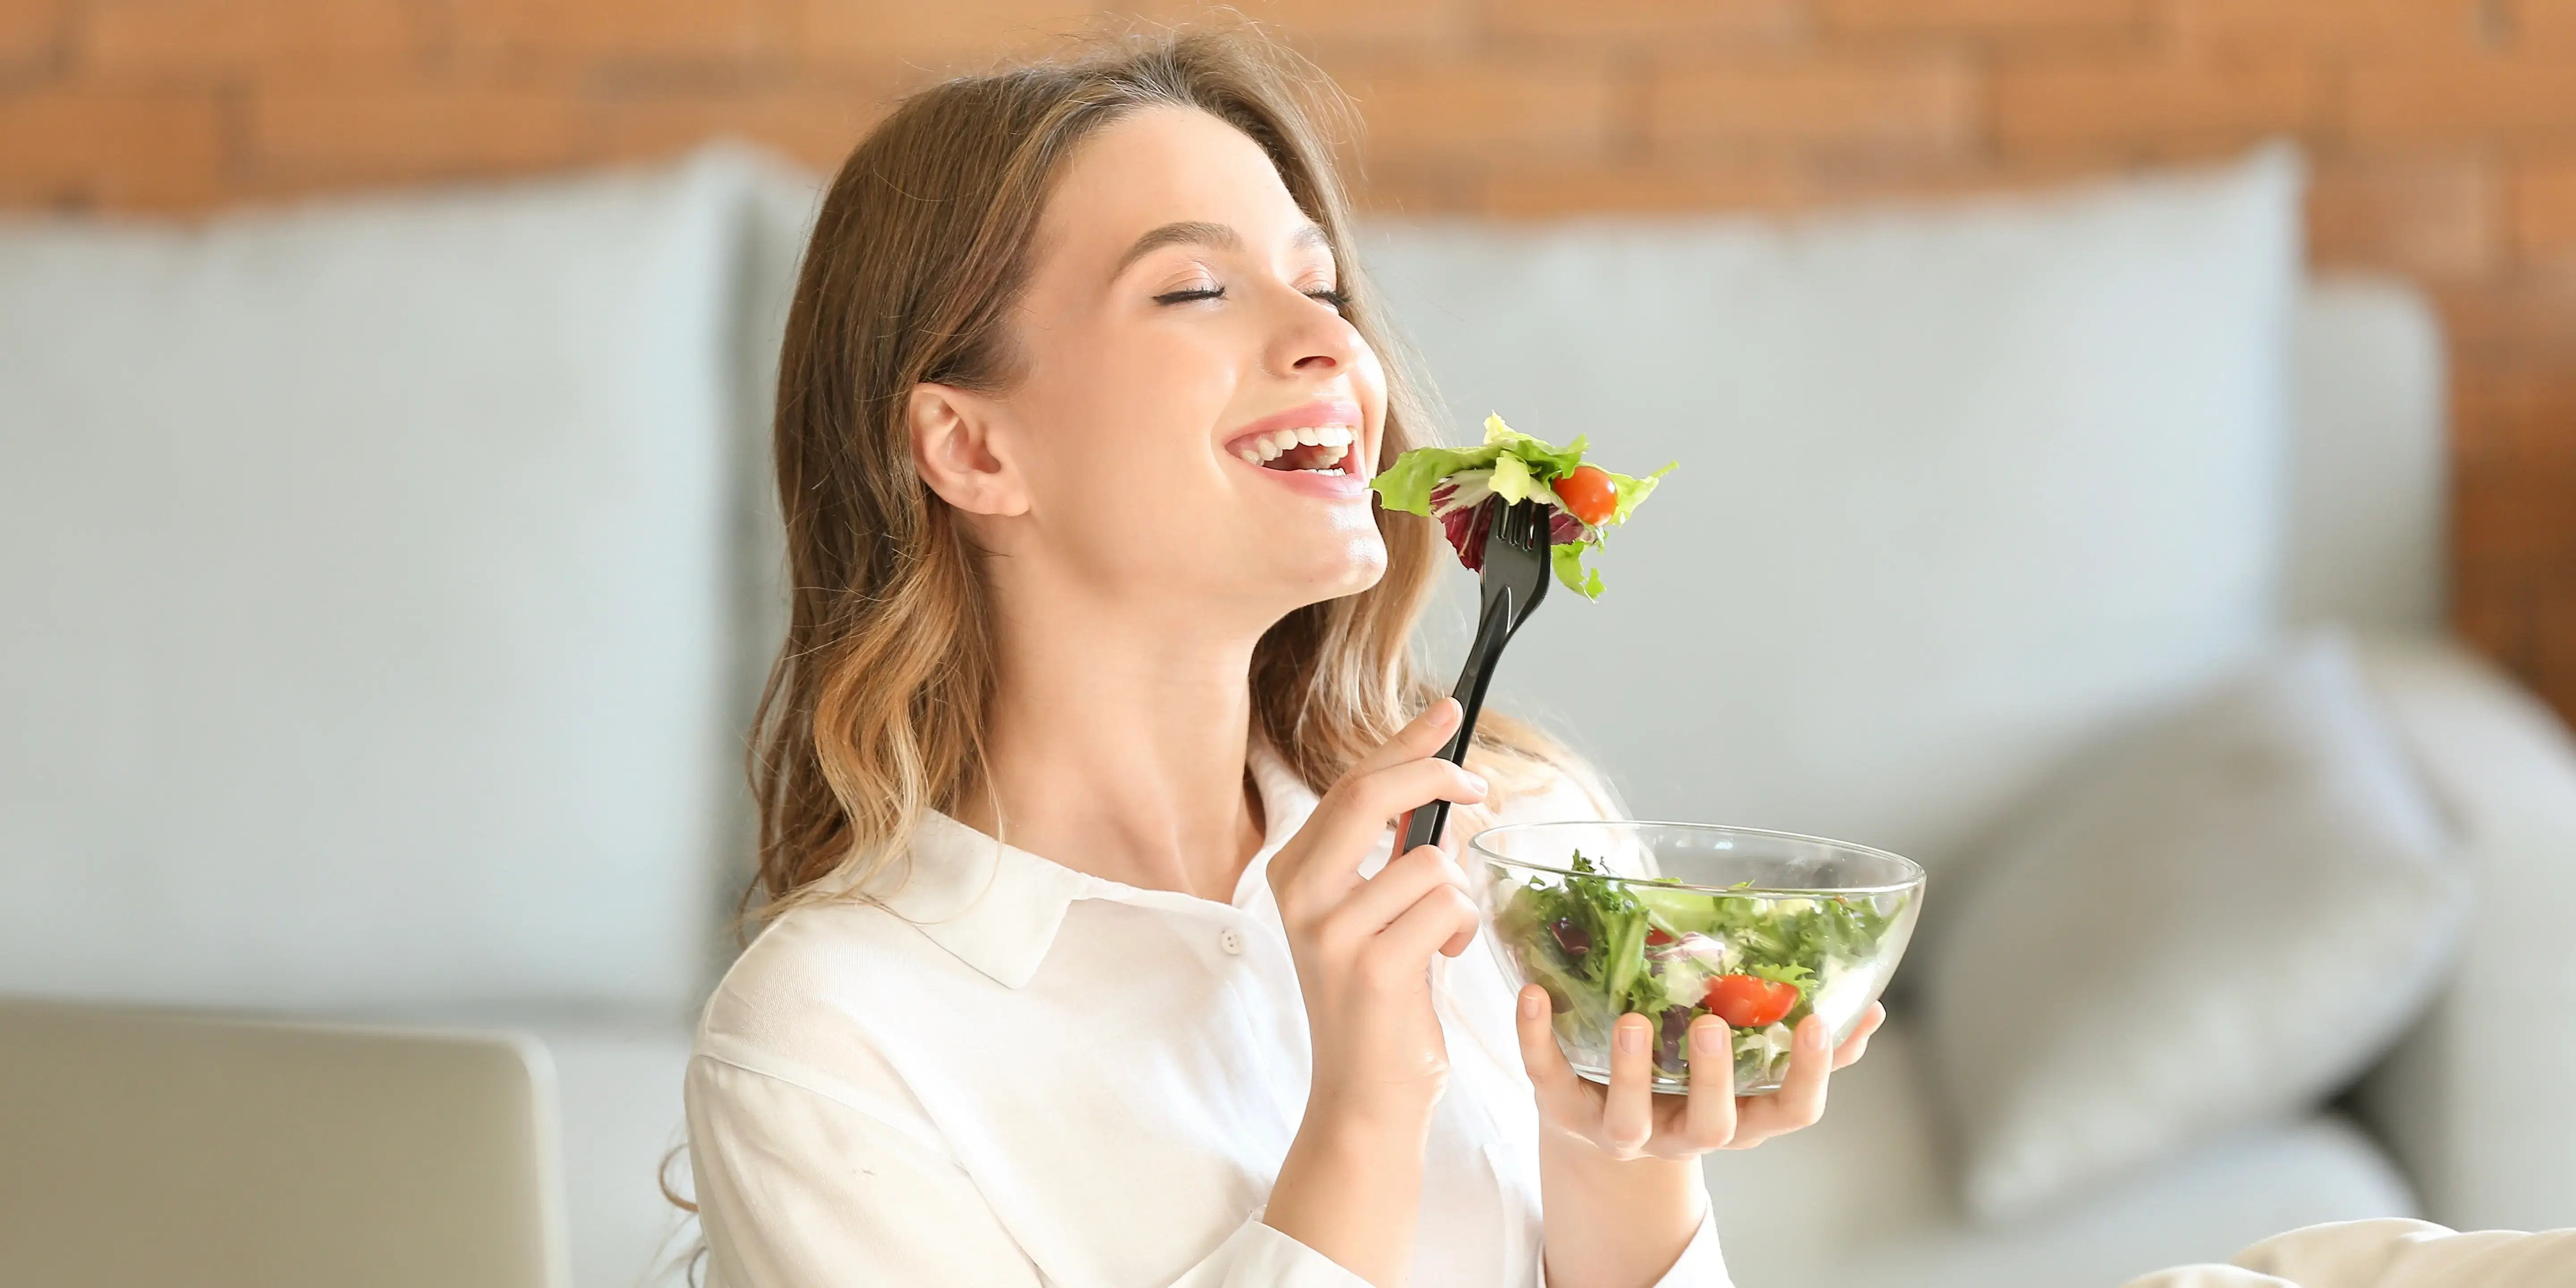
[[2218, 920]]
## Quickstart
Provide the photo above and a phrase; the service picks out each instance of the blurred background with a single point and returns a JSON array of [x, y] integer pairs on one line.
[[2130, 450]]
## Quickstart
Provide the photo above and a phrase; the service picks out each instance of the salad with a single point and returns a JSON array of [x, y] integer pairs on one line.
[[1461, 487], [1603, 945]]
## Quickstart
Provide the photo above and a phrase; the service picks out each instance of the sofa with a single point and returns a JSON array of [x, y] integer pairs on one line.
[[392, 578]]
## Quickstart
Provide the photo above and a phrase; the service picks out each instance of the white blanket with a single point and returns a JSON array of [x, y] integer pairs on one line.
[[2388, 1253]]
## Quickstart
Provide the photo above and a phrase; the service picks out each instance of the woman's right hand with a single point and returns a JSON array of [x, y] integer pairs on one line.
[[1352, 1181], [1363, 945]]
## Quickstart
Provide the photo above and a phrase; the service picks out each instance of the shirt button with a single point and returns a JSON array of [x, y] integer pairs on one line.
[[1231, 942]]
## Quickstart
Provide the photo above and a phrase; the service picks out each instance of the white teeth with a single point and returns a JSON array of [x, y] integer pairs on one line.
[[1268, 447]]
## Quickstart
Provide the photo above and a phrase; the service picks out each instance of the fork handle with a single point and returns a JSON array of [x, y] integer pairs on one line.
[[1492, 628]]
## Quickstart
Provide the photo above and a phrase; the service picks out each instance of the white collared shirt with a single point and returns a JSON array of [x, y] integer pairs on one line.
[[1058, 1079]]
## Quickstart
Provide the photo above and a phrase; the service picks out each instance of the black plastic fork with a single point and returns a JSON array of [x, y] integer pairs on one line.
[[1514, 580]]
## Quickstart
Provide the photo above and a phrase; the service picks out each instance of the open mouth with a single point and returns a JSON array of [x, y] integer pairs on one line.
[[1313, 449]]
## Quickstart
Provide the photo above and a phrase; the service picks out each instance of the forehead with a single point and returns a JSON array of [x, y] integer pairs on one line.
[[1161, 165]]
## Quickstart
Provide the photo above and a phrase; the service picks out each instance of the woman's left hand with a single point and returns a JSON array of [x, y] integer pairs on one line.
[[1628, 1120]]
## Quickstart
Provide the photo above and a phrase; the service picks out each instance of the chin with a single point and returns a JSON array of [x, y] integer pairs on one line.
[[1352, 565]]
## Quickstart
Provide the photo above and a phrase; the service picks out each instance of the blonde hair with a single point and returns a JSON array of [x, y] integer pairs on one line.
[[874, 710]]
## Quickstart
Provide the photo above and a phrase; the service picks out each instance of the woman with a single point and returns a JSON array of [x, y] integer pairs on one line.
[[1086, 962]]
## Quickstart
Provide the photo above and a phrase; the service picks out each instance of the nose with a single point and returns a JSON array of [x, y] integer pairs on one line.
[[1313, 339]]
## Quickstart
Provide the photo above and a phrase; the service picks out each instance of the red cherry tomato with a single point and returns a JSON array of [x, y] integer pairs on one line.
[[1749, 1001], [1587, 493], [1656, 935]]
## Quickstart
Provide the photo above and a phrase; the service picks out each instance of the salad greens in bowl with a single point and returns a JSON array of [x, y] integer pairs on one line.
[[1679, 920]]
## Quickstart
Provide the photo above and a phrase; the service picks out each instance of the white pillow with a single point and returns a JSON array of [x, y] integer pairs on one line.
[[370, 596], [1960, 482], [2222, 917]]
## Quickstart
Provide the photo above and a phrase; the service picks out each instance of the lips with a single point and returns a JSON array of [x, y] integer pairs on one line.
[[1320, 435]]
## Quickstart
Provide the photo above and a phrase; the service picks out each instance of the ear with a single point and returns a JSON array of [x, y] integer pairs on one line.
[[955, 450]]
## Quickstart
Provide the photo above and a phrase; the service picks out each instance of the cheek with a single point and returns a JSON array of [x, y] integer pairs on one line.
[[1126, 417], [1158, 396], [1368, 379], [1120, 453], [1370, 375]]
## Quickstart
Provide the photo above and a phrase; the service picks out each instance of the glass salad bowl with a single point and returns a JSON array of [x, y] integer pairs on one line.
[[1680, 920]]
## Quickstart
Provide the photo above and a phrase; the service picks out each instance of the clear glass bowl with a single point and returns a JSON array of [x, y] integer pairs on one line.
[[1679, 920]]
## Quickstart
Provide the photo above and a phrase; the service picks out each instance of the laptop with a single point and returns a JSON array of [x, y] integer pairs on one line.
[[141, 1148]]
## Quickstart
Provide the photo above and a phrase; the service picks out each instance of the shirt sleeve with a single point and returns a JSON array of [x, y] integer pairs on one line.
[[2387, 1253], [797, 1190], [1701, 1265]]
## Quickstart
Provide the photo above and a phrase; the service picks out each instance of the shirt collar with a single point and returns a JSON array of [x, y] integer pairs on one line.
[[998, 907]]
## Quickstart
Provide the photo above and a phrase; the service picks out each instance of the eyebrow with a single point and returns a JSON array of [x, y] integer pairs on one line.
[[1200, 232]]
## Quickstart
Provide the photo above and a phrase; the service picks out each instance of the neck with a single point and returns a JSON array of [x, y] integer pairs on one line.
[[1116, 745]]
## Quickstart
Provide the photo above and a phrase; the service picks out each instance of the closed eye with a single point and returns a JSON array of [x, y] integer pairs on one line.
[[1338, 299]]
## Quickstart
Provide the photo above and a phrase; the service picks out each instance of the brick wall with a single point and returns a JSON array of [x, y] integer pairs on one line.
[[2444, 133]]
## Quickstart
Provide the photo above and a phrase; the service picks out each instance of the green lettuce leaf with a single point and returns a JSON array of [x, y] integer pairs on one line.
[[1406, 483], [1516, 467]]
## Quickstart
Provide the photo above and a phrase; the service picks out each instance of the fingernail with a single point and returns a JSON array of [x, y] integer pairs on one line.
[[1443, 712], [1532, 1002], [1710, 1037], [1476, 782], [1632, 1038], [1812, 1034]]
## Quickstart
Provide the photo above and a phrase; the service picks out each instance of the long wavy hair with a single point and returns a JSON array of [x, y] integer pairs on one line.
[[874, 710]]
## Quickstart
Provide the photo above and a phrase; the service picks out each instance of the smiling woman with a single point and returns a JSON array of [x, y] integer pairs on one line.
[[1087, 958]]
